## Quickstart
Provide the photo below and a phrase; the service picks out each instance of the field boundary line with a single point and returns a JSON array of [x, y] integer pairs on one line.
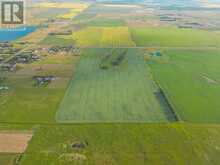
[[173, 107], [67, 86], [34, 124], [150, 46]]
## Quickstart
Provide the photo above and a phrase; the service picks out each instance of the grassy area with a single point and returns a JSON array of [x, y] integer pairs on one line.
[[8, 159], [174, 37], [122, 93], [112, 8], [112, 105], [57, 59], [84, 17], [60, 40], [46, 13], [191, 80], [24, 102], [125, 144], [106, 22], [103, 36], [18, 127], [30, 105]]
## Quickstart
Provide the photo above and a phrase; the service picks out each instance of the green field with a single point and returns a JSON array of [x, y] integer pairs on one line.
[[21, 105], [24, 102], [84, 16], [106, 22], [133, 90], [8, 159], [125, 144], [191, 79], [103, 37], [171, 36], [117, 94], [60, 40]]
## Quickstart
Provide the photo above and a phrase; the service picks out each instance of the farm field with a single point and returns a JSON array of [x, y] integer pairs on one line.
[[103, 22], [8, 159], [103, 37], [112, 9], [64, 5], [60, 40], [122, 82], [191, 80], [124, 144], [17, 142], [180, 37], [26, 103], [21, 105], [106, 92]]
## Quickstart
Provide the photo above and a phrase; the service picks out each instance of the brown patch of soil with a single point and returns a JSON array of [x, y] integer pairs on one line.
[[14, 142]]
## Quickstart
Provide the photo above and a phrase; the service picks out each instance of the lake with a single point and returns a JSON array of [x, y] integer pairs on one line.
[[15, 33]]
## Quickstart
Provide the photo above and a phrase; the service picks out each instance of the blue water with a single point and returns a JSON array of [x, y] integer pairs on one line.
[[15, 33]]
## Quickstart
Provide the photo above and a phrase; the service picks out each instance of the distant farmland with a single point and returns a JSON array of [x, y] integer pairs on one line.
[[103, 37], [100, 92], [106, 22], [191, 79], [174, 37]]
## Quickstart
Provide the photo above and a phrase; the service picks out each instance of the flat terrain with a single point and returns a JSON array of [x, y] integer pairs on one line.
[[113, 83], [103, 37], [24, 102], [14, 142], [8, 159], [106, 22], [119, 94], [113, 144], [170, 36], [191, 80], [58, 40]]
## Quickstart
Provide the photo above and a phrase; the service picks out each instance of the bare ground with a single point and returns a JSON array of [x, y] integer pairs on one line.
[[14, 142]]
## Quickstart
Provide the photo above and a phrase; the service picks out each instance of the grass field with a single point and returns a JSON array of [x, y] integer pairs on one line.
[[105, 22], [113, 105], [112, 9], [125, 144], [8, 159], [84, 17], [103, 37], [24, 102], [119, 94], [57, 59], [60, 40], [21, 105], [174, 37], [191, 79]]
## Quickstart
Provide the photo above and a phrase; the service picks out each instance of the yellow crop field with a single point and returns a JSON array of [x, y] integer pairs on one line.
[[103, 37], [75, 8], [116, 36], [63, 5], [88, 37], [72, 13]]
